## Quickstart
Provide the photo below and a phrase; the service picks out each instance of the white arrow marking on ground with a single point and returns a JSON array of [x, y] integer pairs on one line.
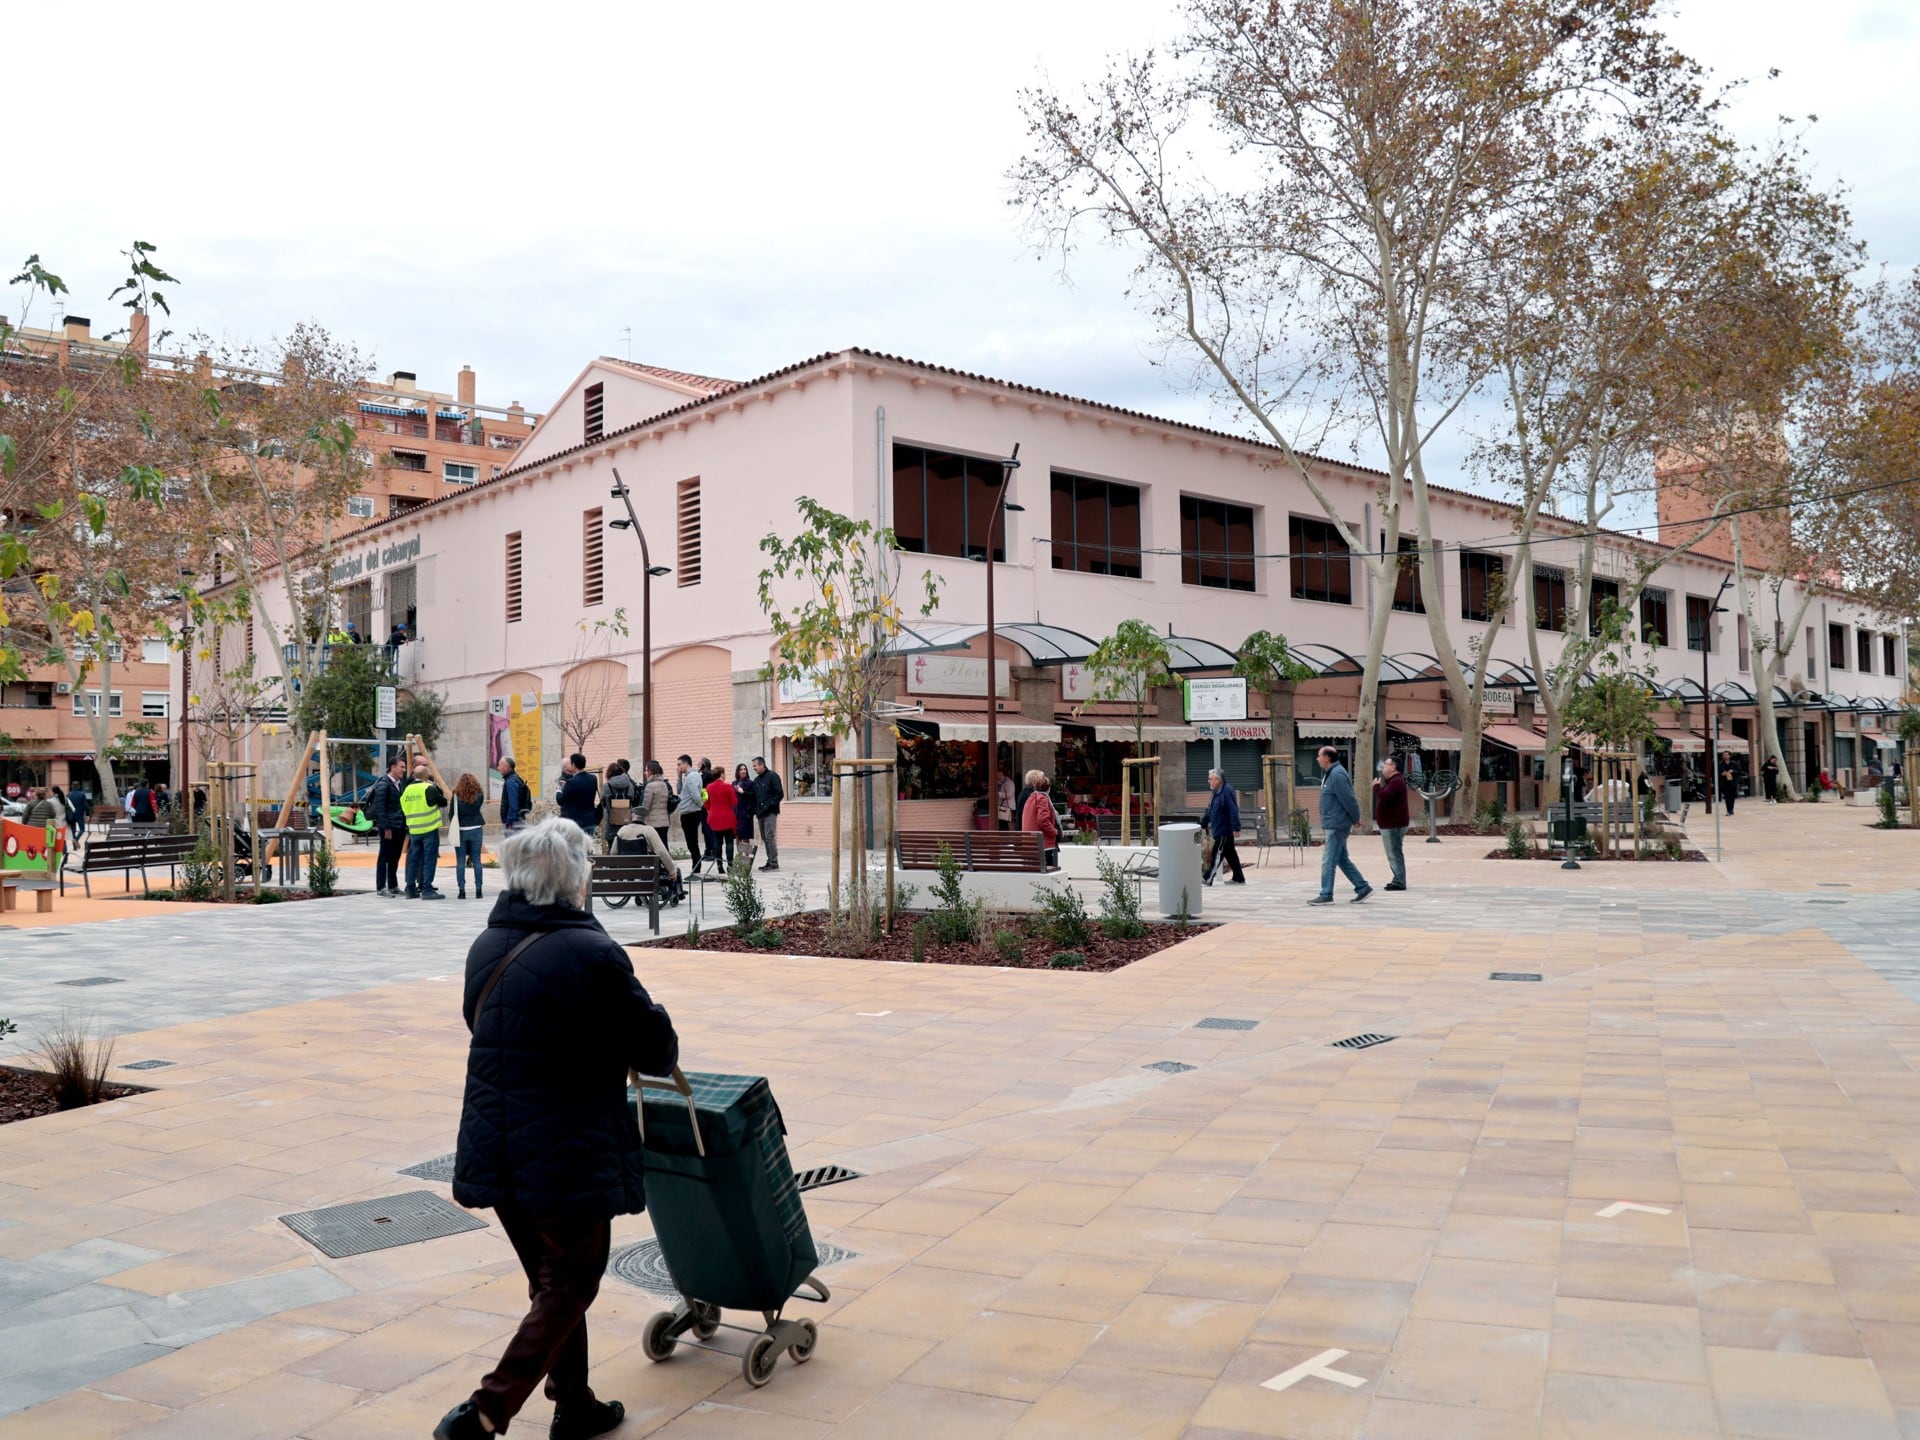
[[1621, 1206], [872, 1014], [1320, 1366]]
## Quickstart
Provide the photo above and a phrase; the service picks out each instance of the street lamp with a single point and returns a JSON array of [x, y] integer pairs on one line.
[[1007, 467], [649, 569], [1707, 725]]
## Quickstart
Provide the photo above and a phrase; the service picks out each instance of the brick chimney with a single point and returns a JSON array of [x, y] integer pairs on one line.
[[466, 385], [516, 414], [402, 380], [78, 327], [139, 332]]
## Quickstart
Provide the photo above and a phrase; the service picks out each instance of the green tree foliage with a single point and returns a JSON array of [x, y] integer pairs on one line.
[[1613, 705], [1127, 667], [340, 699]]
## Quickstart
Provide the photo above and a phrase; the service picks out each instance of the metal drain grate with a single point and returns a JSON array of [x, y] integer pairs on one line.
[[1361, 1042], [1513, 975], [1218, 1022], [824, 1175], [92, 980], [439, 1168], [368, 1225], [147, 1065], [1169, 1067], [644, 1267]]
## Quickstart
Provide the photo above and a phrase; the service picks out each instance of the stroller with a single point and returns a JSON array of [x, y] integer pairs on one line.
[[634, 838]]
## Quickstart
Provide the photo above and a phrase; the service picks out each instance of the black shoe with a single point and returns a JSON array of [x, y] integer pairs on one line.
[[765, 868], [1321, 900], [459, 894], [462, 1422], [1238, 880], [411, 895], [478, 893], [579, 1422], [433, 895], [1393, 885], [1360, 895]]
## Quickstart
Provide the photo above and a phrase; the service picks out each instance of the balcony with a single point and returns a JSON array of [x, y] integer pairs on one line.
[[23, 723]]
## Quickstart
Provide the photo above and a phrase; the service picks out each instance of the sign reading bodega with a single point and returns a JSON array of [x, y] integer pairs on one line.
[[398, 553]]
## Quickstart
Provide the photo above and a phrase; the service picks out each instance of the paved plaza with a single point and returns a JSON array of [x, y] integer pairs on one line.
[[1667, 1190]]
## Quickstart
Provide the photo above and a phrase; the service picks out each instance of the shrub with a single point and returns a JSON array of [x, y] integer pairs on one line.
[[1301, 827], [77, 1063], [1490, 815], [693, 932], [793, 896], [919, 939], [1519, 840], [1183, 917], [200, 873], [1067, 960], [1889, 808], [954, 920], [7, 1027], [743, 900], [1063, 918], [1001, 941], [905, 892], [1674, 848], [268, 897], [1119, 902], [767, 938], [323, 875]]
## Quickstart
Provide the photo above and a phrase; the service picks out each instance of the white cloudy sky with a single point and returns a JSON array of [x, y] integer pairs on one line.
[[513, 188]]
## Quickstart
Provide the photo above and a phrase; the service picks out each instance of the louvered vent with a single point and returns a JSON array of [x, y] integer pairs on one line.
[[513, 578], [593, 584], [596, 411], [688, 567]]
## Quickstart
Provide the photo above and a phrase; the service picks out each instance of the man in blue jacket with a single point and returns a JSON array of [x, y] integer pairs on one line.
[[1222, 822], [1339, 813]]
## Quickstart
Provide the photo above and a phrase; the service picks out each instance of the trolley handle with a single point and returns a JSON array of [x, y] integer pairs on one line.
[[677, 1083]]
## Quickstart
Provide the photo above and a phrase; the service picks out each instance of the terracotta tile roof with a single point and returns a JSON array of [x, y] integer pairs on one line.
[[679, 379]]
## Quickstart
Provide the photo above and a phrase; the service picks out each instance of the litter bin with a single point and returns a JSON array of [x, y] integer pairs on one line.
[[1180, 869], [1672, 806]]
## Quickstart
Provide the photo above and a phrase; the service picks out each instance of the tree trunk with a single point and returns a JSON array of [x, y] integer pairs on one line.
[[1365, 720]]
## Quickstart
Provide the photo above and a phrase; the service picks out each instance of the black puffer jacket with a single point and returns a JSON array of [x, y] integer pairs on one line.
[[545, 1123]]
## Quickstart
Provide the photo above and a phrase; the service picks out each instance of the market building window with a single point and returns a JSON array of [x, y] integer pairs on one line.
[[942, 503], [403, 600], [810, 767], [1600, 594], [1863, 643], [1096, 526], [1549, 598], [1239, 762], [1306, 759], [1216, 544], [1653, 618], [1836, 647], [1482, 584], [1887, 654], [1320, 565], [933, 769], [1740, 642], [356, 607], [1406, 583], [1700, 624]]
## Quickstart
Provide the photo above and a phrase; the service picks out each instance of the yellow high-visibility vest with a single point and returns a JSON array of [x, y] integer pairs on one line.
[[423, 818]]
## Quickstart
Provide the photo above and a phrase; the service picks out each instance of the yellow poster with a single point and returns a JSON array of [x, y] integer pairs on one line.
[[523, 724]]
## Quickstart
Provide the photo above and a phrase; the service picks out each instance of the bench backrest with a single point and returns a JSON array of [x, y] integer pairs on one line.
[[1016, 851], [624, 875], [165, 849], [112, 853]]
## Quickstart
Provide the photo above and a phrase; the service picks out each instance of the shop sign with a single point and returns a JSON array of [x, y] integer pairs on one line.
[[1221, 730], [956, 675], [1497, 700], [385, 703], [1076, 682], [1217, 699], [400, 552], [801, 690]]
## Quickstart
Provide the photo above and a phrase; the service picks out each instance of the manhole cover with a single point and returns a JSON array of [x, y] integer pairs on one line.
[[439, 1168], [147, 1065], [92, 980], [367, 1225], [1169, 1067], [1361, 1042], [1218, 1022], [824, 1175], [643, 1266], [1513, 975]]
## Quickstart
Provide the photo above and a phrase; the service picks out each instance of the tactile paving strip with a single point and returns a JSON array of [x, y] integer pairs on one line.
[[368, 1225]]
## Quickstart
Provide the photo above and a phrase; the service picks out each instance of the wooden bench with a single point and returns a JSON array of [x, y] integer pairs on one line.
[[38, 881], [1587, 815], [1005, 852], [128, 854], [620, 878]]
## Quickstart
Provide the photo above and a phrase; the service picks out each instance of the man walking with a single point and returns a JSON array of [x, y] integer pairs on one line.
[[140, 805], [768, 792], [383, 809], [1390, 814], [1339, 813], [516, 797], [579, 794], [692, 811], [1222, 822], [1770, 777], [421, 803], [1729, 783]]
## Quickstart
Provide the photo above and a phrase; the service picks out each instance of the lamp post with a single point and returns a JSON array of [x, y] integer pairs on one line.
[[1708, 730], [649, 570], [1007, 467]]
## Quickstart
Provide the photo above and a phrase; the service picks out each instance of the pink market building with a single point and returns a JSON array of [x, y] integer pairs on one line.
[[1202, 534]]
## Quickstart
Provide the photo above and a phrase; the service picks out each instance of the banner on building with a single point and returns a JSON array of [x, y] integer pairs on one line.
[[513, 731]]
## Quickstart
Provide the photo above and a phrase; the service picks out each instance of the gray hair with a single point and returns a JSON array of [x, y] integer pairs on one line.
[[1220, 774], [548, 863]]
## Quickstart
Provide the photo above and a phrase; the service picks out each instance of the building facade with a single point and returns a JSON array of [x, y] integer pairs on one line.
[[525, 600]]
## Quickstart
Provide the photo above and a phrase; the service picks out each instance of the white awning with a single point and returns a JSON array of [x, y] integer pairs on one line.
[[1327, 729], [1431, 734], [1683, 742], [972, 725], [1887, 742], [790, 725], [1152, 734]]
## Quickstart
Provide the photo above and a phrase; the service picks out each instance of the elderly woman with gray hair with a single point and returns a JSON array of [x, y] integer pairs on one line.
[[547, 1139]]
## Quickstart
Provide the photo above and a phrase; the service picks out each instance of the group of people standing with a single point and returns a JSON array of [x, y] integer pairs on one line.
[[720, 816]]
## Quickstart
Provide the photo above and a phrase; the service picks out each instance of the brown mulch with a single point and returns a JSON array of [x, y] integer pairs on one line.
[[164, 897], [806, 934], [1558, 857], [25, 1096]]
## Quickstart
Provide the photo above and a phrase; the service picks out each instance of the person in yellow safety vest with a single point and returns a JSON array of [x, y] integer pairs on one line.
[[337, 636], [420, 804]]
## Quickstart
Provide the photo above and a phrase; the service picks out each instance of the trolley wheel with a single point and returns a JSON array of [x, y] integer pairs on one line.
[[757, 1364], [614, 901], [706, 1320], [802, 1349], [655, 1340]]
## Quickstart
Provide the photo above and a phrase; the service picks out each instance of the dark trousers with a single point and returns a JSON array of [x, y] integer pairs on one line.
[[1225, 854], [386, 865], [723, 849], [690, 832], [423, 859], [564, 1260]]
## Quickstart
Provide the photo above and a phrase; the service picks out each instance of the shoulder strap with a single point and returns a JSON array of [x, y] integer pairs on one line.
[[501, 969]]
